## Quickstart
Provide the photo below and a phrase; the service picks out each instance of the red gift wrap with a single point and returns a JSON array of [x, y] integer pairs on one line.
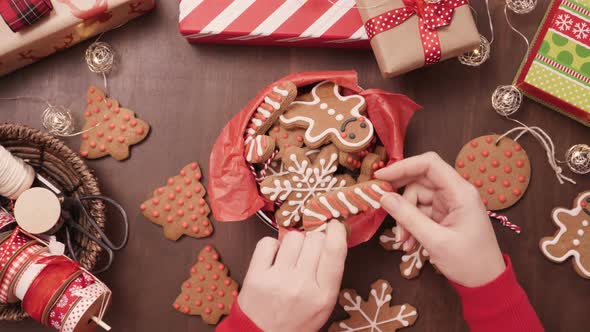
[[232, 188], [324, 23]]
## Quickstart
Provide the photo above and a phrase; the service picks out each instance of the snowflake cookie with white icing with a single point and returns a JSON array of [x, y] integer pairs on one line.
[[573, 237], [375, 314], [412, 261], [303, 180], [330, 117]]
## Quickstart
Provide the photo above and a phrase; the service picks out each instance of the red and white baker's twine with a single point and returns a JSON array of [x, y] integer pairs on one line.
[[503, 220], [264, 167], [431, 16]]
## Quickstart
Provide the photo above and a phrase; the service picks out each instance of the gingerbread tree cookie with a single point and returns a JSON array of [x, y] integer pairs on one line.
[[180, 207], [375, 314], [209, 292], [343, 203], [499, 169], [111, 128], [412, 261], [331, 117], [573, 237], [303, 181]]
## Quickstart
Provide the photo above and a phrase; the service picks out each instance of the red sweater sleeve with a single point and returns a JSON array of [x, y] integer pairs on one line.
[[500, 305], [237, 321]]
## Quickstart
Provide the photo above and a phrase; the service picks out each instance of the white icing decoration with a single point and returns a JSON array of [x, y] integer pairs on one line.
[[339, 117], [580, 232], [280, 91], [257, 122], [309, 180], [272, 103], [255, 147], [331, 111], [378, 189], [323, 106], [310, 213], [354, 112], [415, 260], [576, 242], [326, 204], [372, 319], [368, 199], [264, 112], [562, 230], [353, 209]]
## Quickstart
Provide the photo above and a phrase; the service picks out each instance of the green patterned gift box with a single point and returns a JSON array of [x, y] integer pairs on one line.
[[556, 72]]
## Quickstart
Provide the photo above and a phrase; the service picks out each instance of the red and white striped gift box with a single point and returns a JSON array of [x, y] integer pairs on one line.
[[324, 23]]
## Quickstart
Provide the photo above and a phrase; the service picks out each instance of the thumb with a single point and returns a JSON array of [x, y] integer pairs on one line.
[[411, 218]]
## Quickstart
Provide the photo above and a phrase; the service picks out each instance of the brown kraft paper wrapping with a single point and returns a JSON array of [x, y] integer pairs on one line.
[[399, 50]]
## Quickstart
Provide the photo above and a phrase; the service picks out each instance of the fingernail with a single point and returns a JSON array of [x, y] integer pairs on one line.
[[406, 246], [398, 236]]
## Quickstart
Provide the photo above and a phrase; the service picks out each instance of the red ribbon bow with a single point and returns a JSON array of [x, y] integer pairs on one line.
[[431, 16]]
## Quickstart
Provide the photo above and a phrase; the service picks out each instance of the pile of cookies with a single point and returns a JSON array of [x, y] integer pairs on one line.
[[314, 154]]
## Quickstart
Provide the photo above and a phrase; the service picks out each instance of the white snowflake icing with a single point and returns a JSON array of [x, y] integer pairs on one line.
[[581, 30], [564, 22], [306, 179], [75, 288], [415, 260], [372, 322]]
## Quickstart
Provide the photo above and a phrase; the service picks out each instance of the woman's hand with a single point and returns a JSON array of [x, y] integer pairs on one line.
[[443, 212], [296, 290]]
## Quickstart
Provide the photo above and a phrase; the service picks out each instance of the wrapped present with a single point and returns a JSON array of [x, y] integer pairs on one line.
[[325, 23], [70, 22], [233, 191], [19, 14], [556, 71], [409, 34]]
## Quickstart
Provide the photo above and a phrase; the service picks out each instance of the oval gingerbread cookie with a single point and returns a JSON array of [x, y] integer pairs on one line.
[[499, 169]]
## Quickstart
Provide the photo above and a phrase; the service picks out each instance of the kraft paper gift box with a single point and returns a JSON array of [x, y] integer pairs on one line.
[[401, 48], [316, 23], [70, 22]]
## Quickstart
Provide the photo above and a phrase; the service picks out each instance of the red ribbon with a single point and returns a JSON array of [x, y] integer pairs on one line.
[[431, 16], [48, 282]]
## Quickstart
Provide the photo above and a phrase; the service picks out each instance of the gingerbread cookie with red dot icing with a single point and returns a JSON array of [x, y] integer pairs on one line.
[[111, 128], [180, 206], [371, 163], [499, 169], [286, 138], [209, 292]]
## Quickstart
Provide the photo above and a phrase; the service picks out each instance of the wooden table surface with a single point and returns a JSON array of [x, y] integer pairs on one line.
[[188, 92]]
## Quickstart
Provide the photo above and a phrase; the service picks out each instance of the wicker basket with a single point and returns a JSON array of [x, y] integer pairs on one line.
[[51, 158]]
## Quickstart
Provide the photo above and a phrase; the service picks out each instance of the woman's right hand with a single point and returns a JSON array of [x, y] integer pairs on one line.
[[443, 212]]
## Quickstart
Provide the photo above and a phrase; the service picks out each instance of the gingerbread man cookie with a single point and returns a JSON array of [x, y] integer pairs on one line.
[[375, 314], [499, 169], [343, 203], [209, 292], [180, 207], [286, 138], [303, 181], [371, 163], [573, 237], [331, 117], [274, 104], [111, 128], [259, 149]]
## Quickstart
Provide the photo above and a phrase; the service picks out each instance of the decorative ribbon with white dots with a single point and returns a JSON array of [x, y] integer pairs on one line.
[[431, 16]]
